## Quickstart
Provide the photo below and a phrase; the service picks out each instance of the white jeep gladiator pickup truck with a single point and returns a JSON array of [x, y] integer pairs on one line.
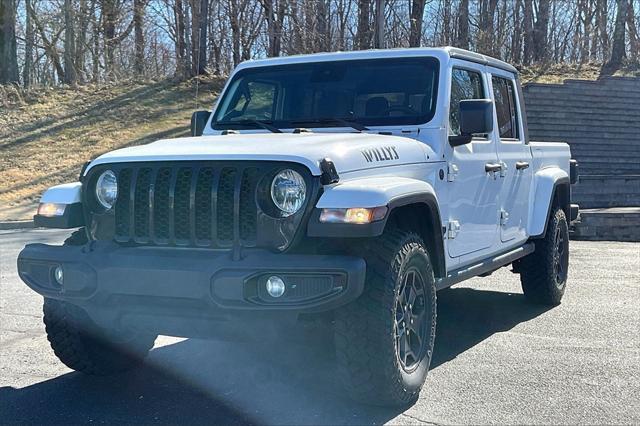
[[349, 185]]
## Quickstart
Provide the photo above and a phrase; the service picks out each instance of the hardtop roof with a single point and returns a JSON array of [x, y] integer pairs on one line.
[[440, 52]]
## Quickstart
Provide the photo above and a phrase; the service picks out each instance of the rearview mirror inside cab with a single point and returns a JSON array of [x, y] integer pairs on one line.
[[198, 121], [476, 117]]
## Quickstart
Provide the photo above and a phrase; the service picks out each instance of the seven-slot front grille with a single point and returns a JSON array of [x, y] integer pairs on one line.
[[205, 205]]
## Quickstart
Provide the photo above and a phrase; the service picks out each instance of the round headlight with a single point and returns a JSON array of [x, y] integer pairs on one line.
[[107, 189], [288, 191]]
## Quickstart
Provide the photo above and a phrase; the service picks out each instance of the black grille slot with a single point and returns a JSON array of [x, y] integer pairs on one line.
[[123, 202], [141, 204], [161, 204], [248, 207], [203, 205], [181, 205], [225, 205], [199, 205]]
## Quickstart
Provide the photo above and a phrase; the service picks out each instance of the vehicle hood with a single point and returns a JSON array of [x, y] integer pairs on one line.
[[348, 151]]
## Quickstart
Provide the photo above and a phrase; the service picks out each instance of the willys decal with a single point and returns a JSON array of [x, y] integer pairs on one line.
[[383, 153]]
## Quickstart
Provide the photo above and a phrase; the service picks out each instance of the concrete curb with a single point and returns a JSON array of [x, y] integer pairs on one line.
[[16, 224]]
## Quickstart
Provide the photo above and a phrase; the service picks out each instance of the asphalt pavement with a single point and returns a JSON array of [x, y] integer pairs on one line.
[[497, 360]]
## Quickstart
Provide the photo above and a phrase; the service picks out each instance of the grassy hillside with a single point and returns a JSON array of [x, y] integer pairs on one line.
[[46, 135]]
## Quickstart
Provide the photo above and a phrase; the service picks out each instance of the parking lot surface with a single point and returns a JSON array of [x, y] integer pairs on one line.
[[497, 360]]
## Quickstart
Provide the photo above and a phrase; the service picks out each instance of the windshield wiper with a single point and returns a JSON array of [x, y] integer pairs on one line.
[[347, 123], [245, 122]]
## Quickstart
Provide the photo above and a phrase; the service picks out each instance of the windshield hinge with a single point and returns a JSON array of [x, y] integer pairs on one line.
[[329, 172]]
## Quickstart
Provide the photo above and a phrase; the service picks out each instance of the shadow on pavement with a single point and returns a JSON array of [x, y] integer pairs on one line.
[[283, 379]]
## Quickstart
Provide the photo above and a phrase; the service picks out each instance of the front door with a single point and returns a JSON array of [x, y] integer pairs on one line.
[[515, 157], [472, 191]]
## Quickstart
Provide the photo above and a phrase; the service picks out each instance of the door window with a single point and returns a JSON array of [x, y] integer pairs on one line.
[[506, 111], [465, 84]]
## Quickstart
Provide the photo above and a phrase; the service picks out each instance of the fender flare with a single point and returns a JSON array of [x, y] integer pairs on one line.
[[393, 192], [548, 184], [68, 194]]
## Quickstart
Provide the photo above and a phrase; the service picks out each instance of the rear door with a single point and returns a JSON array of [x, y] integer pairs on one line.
[[514, 156], [473, 193]]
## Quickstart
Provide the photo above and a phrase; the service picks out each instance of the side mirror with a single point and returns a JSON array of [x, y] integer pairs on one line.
[[198, 121], [476, 117]]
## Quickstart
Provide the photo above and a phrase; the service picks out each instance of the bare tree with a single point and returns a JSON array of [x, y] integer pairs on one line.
[[8, 50], [417, 14], [70, 76], [618, 49], [363, 32], [28, 48], [379, 28], [138, 22], [463, 25]]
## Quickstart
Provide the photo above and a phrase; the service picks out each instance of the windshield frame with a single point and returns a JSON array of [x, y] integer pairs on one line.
[[431, 61]]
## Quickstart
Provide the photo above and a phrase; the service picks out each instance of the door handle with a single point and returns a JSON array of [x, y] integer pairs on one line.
[[492, 167], [521, 165]]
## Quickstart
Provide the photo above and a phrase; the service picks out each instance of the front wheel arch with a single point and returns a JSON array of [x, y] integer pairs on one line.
[[420, 214]]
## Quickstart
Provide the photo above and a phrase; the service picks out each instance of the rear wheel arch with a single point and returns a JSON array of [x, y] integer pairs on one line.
[[560, 198], [420, 213]]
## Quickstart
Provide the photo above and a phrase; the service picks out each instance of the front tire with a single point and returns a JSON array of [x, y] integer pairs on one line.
[[84, 347], [543, 273], [81, 346], [385, 339]]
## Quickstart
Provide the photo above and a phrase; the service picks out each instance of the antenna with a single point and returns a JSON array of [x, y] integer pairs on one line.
[[198, 63]]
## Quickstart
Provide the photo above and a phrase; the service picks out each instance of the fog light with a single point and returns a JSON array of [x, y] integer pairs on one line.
[[275, 286], [58, 275]]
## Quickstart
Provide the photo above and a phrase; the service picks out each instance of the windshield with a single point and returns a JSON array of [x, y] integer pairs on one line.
[[378, 92]]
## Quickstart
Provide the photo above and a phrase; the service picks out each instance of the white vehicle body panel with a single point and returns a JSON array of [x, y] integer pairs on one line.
[[68, 193], [344, 149], [372, 192], [515, 183], [539, 203], [472, 193]]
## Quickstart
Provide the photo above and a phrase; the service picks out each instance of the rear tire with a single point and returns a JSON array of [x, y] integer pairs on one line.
[[543, 273], [385, 339]]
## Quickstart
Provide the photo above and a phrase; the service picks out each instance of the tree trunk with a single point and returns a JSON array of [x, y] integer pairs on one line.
[[181, 63], [463, 25], [618, 48], [138, 22], [528, 32], [28, 48], [204, 25], [363, 32], [634, 43], [540, 31], [235, 31], [603, 36], [379, 29], [516, 39], [446, 23], [70, 76], [8, 46], [415, 31], [84, 12]]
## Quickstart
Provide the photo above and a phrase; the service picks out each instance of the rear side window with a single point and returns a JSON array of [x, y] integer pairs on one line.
[[465, 84], [506, 111]]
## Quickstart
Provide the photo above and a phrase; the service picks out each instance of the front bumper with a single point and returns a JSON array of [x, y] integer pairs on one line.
[[169, 291]]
